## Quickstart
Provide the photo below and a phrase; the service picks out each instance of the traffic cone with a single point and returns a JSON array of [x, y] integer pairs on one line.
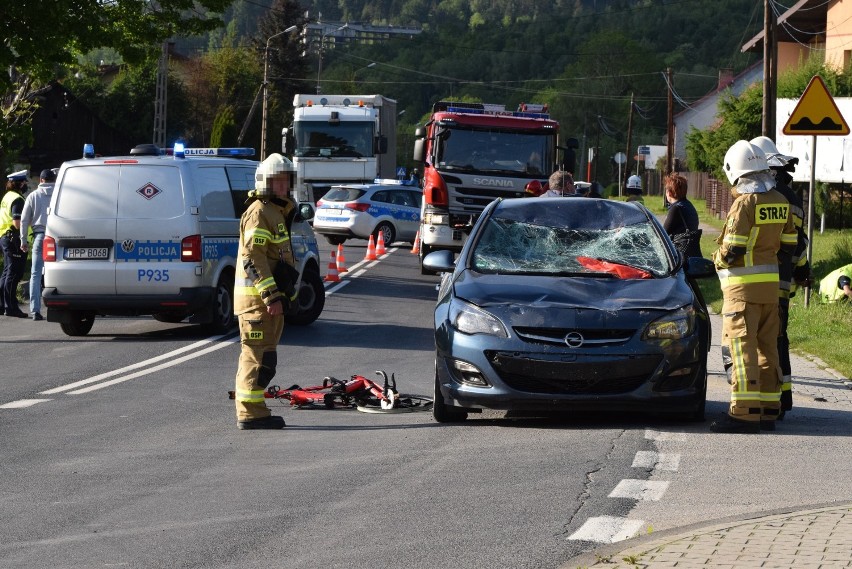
[[341, 260], [332, 276], [380, 246], [371, 250], [415, 250]]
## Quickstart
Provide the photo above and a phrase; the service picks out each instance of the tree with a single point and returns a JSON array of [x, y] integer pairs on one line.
[[39, 37]]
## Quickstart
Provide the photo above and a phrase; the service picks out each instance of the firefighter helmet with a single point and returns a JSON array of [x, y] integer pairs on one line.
[[773, 157], [274, 165], [743, 158], [634, 183]]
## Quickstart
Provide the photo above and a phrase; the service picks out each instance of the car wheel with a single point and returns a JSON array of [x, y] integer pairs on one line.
[[169, 317], [311, 299], [223, 307], [697, 413], [425, 250], [442, 412], [80, 324], [386, 232], [335, 239]]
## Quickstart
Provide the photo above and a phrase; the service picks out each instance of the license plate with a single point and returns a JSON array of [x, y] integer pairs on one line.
[[74, 253], [332, 210]]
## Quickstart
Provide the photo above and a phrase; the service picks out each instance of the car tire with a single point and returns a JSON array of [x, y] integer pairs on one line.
[[80, 324], [697, 413], [311, 299], [441, 412], [335, 239], [386, 232], [425, 250], [223, 306]]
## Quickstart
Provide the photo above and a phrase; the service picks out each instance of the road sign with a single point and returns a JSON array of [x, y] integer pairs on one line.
[[644, 151], [816, 113], [620, 158]]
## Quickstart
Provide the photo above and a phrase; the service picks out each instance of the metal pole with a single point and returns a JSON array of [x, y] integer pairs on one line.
[[811, 208], [629, 143], [265, 102]]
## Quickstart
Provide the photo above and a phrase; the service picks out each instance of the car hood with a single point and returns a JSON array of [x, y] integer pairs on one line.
[[543, 292]]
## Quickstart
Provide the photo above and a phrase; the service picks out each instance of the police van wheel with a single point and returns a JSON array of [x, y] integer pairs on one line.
[[79, 324], [223, 307], [311, 299], [386, 232]]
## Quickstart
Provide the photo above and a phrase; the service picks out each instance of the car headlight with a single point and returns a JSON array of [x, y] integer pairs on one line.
[[469, 319], [679, 324]]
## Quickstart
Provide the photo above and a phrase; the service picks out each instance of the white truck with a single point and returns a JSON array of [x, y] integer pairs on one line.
[[340, 139]]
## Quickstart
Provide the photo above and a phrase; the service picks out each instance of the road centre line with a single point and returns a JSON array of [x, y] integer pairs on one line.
[[137, 365], [653, 435], [192, 356], [645, 490], [656, 460]]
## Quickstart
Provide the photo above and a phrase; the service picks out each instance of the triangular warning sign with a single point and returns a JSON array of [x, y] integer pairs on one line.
[[816, 113]]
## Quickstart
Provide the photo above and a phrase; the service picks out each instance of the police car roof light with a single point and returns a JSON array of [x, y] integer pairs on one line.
[[88, 150], [178, 150], [393, 182]]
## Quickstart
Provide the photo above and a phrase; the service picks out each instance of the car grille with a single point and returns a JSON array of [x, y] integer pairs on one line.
[[562, 375], [591, 337]]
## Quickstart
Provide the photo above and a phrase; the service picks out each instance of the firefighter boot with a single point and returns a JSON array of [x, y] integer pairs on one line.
[[270, 422]]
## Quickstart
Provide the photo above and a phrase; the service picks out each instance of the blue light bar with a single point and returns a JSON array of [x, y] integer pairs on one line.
[[88, 150], [498, 113], [178, 150]]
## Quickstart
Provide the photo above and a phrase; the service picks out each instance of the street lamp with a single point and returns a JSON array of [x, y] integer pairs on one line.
[[322, 42], [266, 89]]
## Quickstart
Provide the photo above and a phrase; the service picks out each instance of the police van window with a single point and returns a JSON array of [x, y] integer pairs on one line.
[[214, 193], [241, 179], [150, 191], [382, 197], [88, 193]]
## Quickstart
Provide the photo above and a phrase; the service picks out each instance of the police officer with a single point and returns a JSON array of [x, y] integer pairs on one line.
[[261, 294], [34, 217], [634, 189], [793, 269], [14, 259], [758, 225]]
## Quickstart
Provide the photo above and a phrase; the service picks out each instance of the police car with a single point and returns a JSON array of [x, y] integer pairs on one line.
[[389, 209], [156, 233]]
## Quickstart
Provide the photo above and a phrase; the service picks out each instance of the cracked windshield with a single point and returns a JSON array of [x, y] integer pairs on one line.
[[345, 139], [493, 151], [514, 246]]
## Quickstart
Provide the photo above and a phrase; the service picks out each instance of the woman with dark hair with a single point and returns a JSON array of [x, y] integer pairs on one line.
[[681, 223]]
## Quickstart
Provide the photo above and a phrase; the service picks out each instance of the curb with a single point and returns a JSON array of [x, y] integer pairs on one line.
[[638, 546]]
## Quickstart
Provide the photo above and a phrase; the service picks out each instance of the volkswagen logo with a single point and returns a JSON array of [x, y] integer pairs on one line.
[[573, 339]]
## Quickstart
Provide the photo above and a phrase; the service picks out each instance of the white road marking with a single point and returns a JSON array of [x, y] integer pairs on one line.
[[656, 460], [645, 490], [664, 435], [21, 403], [137, 365], [607, 529]]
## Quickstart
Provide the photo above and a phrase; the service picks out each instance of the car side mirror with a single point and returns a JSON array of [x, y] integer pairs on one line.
[[440, 261], [306, 211]]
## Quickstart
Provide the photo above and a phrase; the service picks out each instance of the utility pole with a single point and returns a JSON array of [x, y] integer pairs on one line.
[[161, 98], [770, 69], [670, 125], [266, 89], [627, 152]]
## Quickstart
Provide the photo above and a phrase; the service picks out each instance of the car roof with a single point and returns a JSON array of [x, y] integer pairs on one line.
[[573, 212]]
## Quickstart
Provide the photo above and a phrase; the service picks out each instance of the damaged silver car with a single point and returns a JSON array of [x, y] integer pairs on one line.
[[569, 304]]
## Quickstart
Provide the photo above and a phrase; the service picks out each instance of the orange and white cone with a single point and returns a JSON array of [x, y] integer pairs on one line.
[[380, 246], [415, 249], [341, 260], [371, 250], [332, 276]]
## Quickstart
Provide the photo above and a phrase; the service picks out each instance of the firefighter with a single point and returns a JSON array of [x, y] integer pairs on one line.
[[261, 294], [14, 260], [634, 189], [793, 269], [758, 225]]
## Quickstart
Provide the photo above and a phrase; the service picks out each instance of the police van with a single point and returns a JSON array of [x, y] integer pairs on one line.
[[156, 233]]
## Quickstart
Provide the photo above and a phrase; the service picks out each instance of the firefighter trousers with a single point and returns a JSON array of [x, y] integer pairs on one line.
[[750, 336], [259, 336], [784, 356]]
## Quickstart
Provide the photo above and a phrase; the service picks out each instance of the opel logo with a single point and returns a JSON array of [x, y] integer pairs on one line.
[[573, 339]]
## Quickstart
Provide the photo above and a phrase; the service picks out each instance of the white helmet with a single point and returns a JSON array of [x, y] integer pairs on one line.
[[773, 157], [274, 165], [634, 183], [743, 158]]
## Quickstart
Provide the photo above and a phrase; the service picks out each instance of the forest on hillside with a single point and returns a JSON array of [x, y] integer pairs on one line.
[[587, 59]]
